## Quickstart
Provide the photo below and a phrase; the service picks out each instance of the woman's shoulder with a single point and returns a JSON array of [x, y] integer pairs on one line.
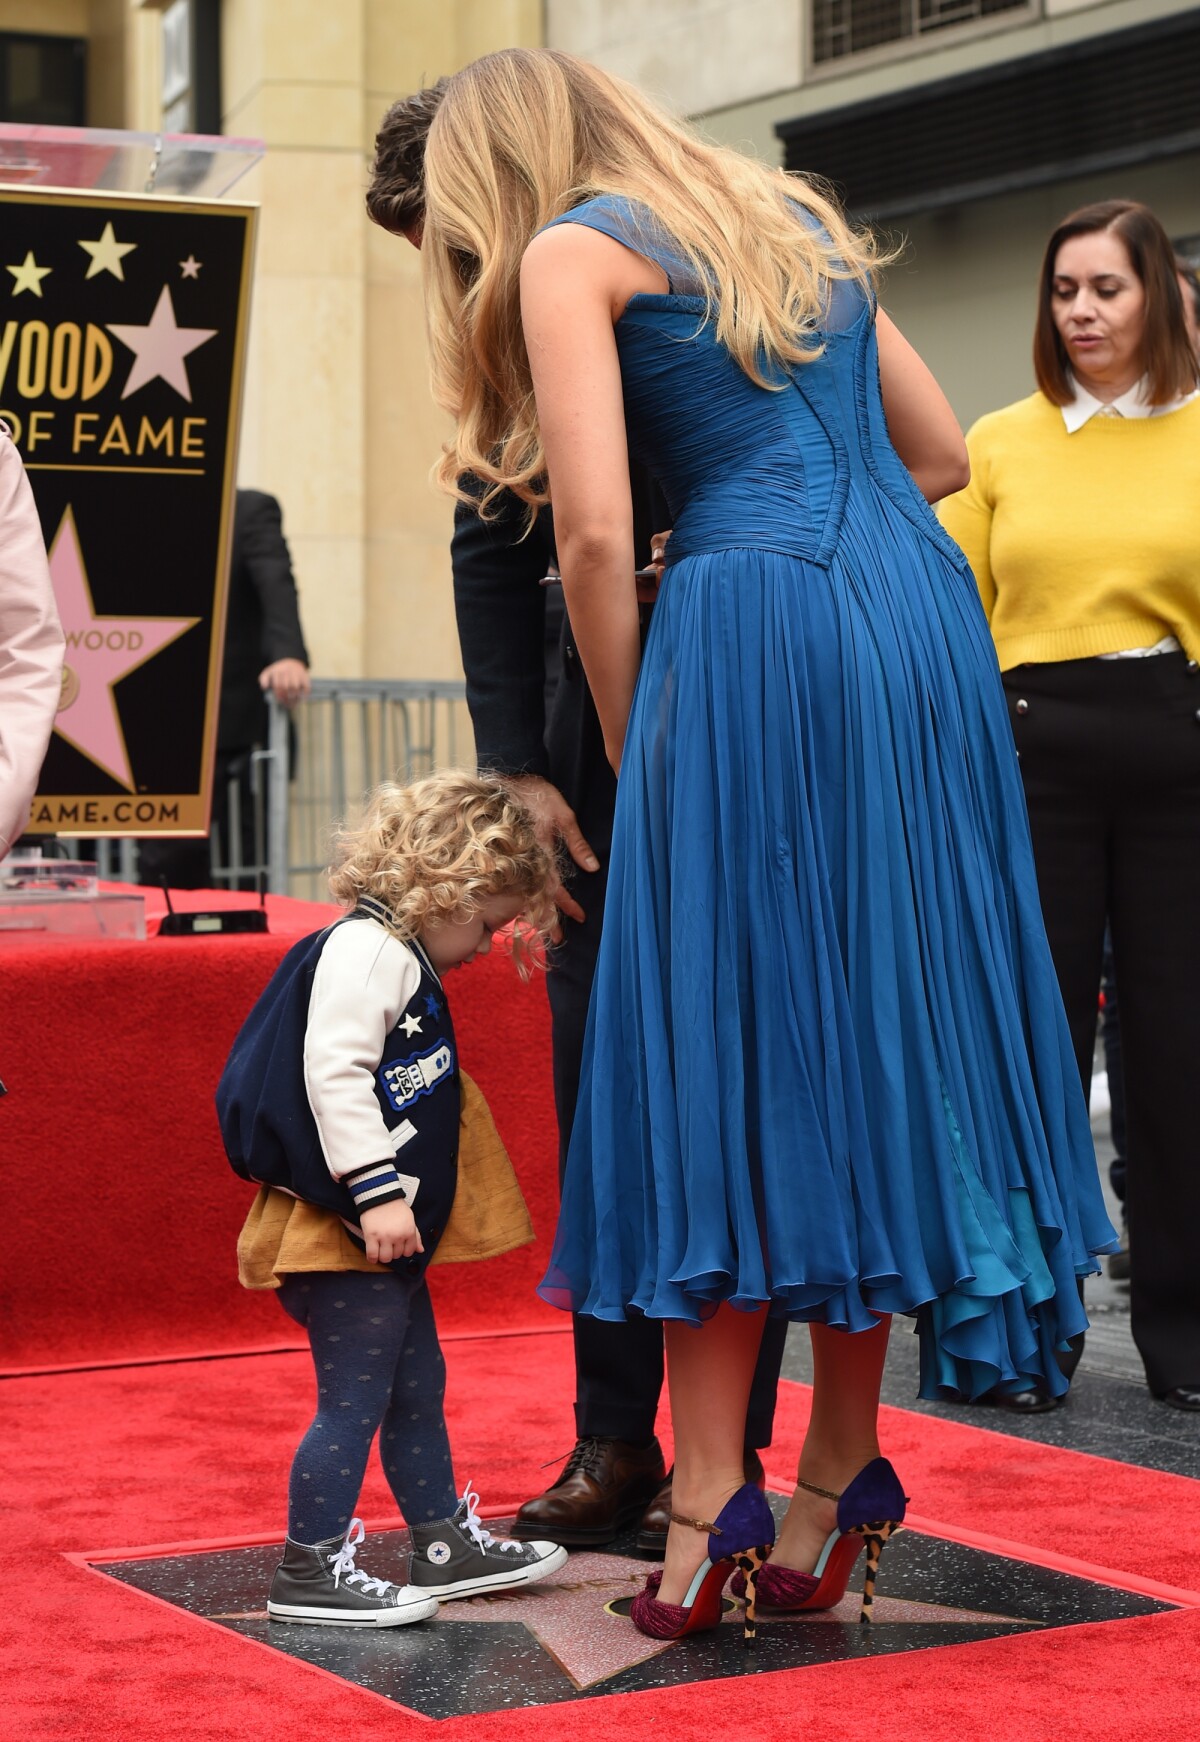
[[625, 220]]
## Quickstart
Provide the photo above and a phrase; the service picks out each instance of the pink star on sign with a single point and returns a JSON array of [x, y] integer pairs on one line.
[[160, 348], [100, 651]]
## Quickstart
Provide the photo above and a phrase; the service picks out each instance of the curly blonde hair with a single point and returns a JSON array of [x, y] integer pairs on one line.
[[523, 135], [437, 850]]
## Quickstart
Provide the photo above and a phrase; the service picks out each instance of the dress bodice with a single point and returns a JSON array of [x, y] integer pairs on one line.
[[744, 466]]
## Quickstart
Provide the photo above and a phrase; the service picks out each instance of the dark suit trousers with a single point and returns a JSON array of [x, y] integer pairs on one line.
[[619, 1366], [1110, 756]]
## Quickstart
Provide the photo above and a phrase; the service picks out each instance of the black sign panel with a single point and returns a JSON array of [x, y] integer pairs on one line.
[[122, 332]]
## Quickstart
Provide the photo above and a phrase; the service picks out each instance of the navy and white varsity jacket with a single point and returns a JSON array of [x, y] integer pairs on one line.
[[342, 1087]]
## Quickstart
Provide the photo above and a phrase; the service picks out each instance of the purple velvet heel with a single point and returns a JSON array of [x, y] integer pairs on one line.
[[741, 1539], [869, 1512]]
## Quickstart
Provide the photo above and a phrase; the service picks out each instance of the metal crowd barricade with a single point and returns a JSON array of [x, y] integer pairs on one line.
[[326, 754], [321, 758]]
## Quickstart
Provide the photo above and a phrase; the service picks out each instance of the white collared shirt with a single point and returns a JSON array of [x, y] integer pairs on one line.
[[1134, 402]]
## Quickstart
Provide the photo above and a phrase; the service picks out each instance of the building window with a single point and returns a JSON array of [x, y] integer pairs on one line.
[[191, 66], [851, 27], [42, 80]]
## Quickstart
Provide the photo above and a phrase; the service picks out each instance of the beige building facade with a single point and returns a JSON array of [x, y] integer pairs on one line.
[[964, 288], [338, 421]]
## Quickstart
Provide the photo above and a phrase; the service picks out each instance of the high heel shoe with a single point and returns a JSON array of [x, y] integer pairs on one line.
[[869, 1512], [746, 1519]]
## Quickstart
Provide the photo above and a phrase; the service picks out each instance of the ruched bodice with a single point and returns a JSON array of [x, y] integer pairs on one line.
[[827, 1066]]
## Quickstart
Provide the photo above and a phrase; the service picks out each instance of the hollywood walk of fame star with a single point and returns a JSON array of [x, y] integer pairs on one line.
[[432, 1007], [411, 1025], [570, 1615], [29, 275], [190, 268], [160, 348], [107, 253], [100, 651]]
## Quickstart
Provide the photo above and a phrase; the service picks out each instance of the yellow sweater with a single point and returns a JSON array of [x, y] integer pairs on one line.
[[1082, 544]]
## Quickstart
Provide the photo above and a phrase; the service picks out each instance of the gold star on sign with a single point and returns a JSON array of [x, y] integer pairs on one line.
[[107, 253], [28, 275], [190, 267]]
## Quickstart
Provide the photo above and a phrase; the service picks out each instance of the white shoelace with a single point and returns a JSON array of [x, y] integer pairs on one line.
[[481, 1536], [342, 1565]]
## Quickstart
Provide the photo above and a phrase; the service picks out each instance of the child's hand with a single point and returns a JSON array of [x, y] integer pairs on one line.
[[390, 1231]]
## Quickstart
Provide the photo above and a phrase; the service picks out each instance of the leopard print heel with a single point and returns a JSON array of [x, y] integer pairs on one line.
[[874, 1535], [750, 1562]]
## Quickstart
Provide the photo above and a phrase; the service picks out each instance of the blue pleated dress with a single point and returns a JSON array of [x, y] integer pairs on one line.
[[826, 1065]]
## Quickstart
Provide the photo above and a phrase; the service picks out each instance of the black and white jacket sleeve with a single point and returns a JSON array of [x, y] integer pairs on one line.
[[363, 982]]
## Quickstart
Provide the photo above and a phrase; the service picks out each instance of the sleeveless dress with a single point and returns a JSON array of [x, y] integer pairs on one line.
[[827, 1065]]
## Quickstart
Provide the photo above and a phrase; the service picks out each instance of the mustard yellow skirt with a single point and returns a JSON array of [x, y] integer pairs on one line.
[[282, 1236]]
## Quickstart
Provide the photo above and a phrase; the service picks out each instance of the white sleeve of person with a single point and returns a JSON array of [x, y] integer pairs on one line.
[[363, 982], [31, 645]]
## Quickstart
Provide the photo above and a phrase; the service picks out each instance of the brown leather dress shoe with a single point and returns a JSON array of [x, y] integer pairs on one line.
[[605, 1484], [652, 1533]]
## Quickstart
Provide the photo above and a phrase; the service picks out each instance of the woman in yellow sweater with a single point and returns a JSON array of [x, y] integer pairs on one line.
[[1082, 525]]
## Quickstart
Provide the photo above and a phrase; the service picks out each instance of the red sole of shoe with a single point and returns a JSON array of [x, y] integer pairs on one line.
[[835, 1577], [706, 1609]]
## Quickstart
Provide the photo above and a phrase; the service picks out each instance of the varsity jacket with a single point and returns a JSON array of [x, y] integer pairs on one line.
[[342, 1087]]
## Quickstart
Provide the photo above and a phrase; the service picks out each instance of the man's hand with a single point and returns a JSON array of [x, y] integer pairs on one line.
[[287, 680], [390, 1231], [555, 821]]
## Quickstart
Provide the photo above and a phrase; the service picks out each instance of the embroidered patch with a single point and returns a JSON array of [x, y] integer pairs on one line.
[[408, 1079], [439, 1553]]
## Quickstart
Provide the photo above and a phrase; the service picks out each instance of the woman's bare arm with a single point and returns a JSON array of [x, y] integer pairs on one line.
[[923, 428], [574, 282]]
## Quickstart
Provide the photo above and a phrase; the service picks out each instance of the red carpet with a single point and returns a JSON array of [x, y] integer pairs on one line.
[[198, 1451], [117, 1245], [111, 1073]]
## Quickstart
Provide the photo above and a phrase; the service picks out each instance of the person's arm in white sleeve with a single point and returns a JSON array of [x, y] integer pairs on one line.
[[31, 646], [363, 982]]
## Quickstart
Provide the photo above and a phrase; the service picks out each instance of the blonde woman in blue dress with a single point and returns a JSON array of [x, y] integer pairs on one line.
[[827, 1072]]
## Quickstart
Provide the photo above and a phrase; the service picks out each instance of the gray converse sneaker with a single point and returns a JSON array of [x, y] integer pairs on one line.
[[322, 1586], [459, 1557]]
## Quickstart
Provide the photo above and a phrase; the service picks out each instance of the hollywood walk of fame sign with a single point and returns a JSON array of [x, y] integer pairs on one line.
[[122, 338]]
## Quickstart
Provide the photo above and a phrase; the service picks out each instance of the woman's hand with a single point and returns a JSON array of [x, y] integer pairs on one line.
[[390, 1231], [647, 588]]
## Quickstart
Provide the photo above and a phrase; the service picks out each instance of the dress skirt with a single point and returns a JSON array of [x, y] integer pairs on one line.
[[827, 1066]]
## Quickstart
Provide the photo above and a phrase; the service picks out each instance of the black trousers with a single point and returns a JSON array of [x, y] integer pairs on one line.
[[1110, 756], [618, 1367]]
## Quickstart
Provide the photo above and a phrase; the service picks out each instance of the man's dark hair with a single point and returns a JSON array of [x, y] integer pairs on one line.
[[396, 196]]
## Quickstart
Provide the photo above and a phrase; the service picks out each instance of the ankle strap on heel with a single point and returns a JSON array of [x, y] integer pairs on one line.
[[697, 1524], [825, 1493]]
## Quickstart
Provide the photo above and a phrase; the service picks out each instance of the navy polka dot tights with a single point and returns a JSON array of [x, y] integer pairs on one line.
[[379, 1366]]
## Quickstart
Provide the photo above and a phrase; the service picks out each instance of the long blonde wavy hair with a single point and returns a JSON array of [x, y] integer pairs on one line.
[[524, 135], [439, 849]]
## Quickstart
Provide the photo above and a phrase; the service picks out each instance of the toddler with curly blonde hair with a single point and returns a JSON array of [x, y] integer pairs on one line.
[[341, 1099]]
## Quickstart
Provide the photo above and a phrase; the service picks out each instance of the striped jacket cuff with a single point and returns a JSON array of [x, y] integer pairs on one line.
[[374, 1185]]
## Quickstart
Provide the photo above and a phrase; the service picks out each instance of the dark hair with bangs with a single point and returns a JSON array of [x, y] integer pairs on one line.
[[396, 195], [1168, 358]]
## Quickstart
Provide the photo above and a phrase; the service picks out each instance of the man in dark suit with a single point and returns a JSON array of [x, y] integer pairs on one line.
[[615, 1473], [264, 652]]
